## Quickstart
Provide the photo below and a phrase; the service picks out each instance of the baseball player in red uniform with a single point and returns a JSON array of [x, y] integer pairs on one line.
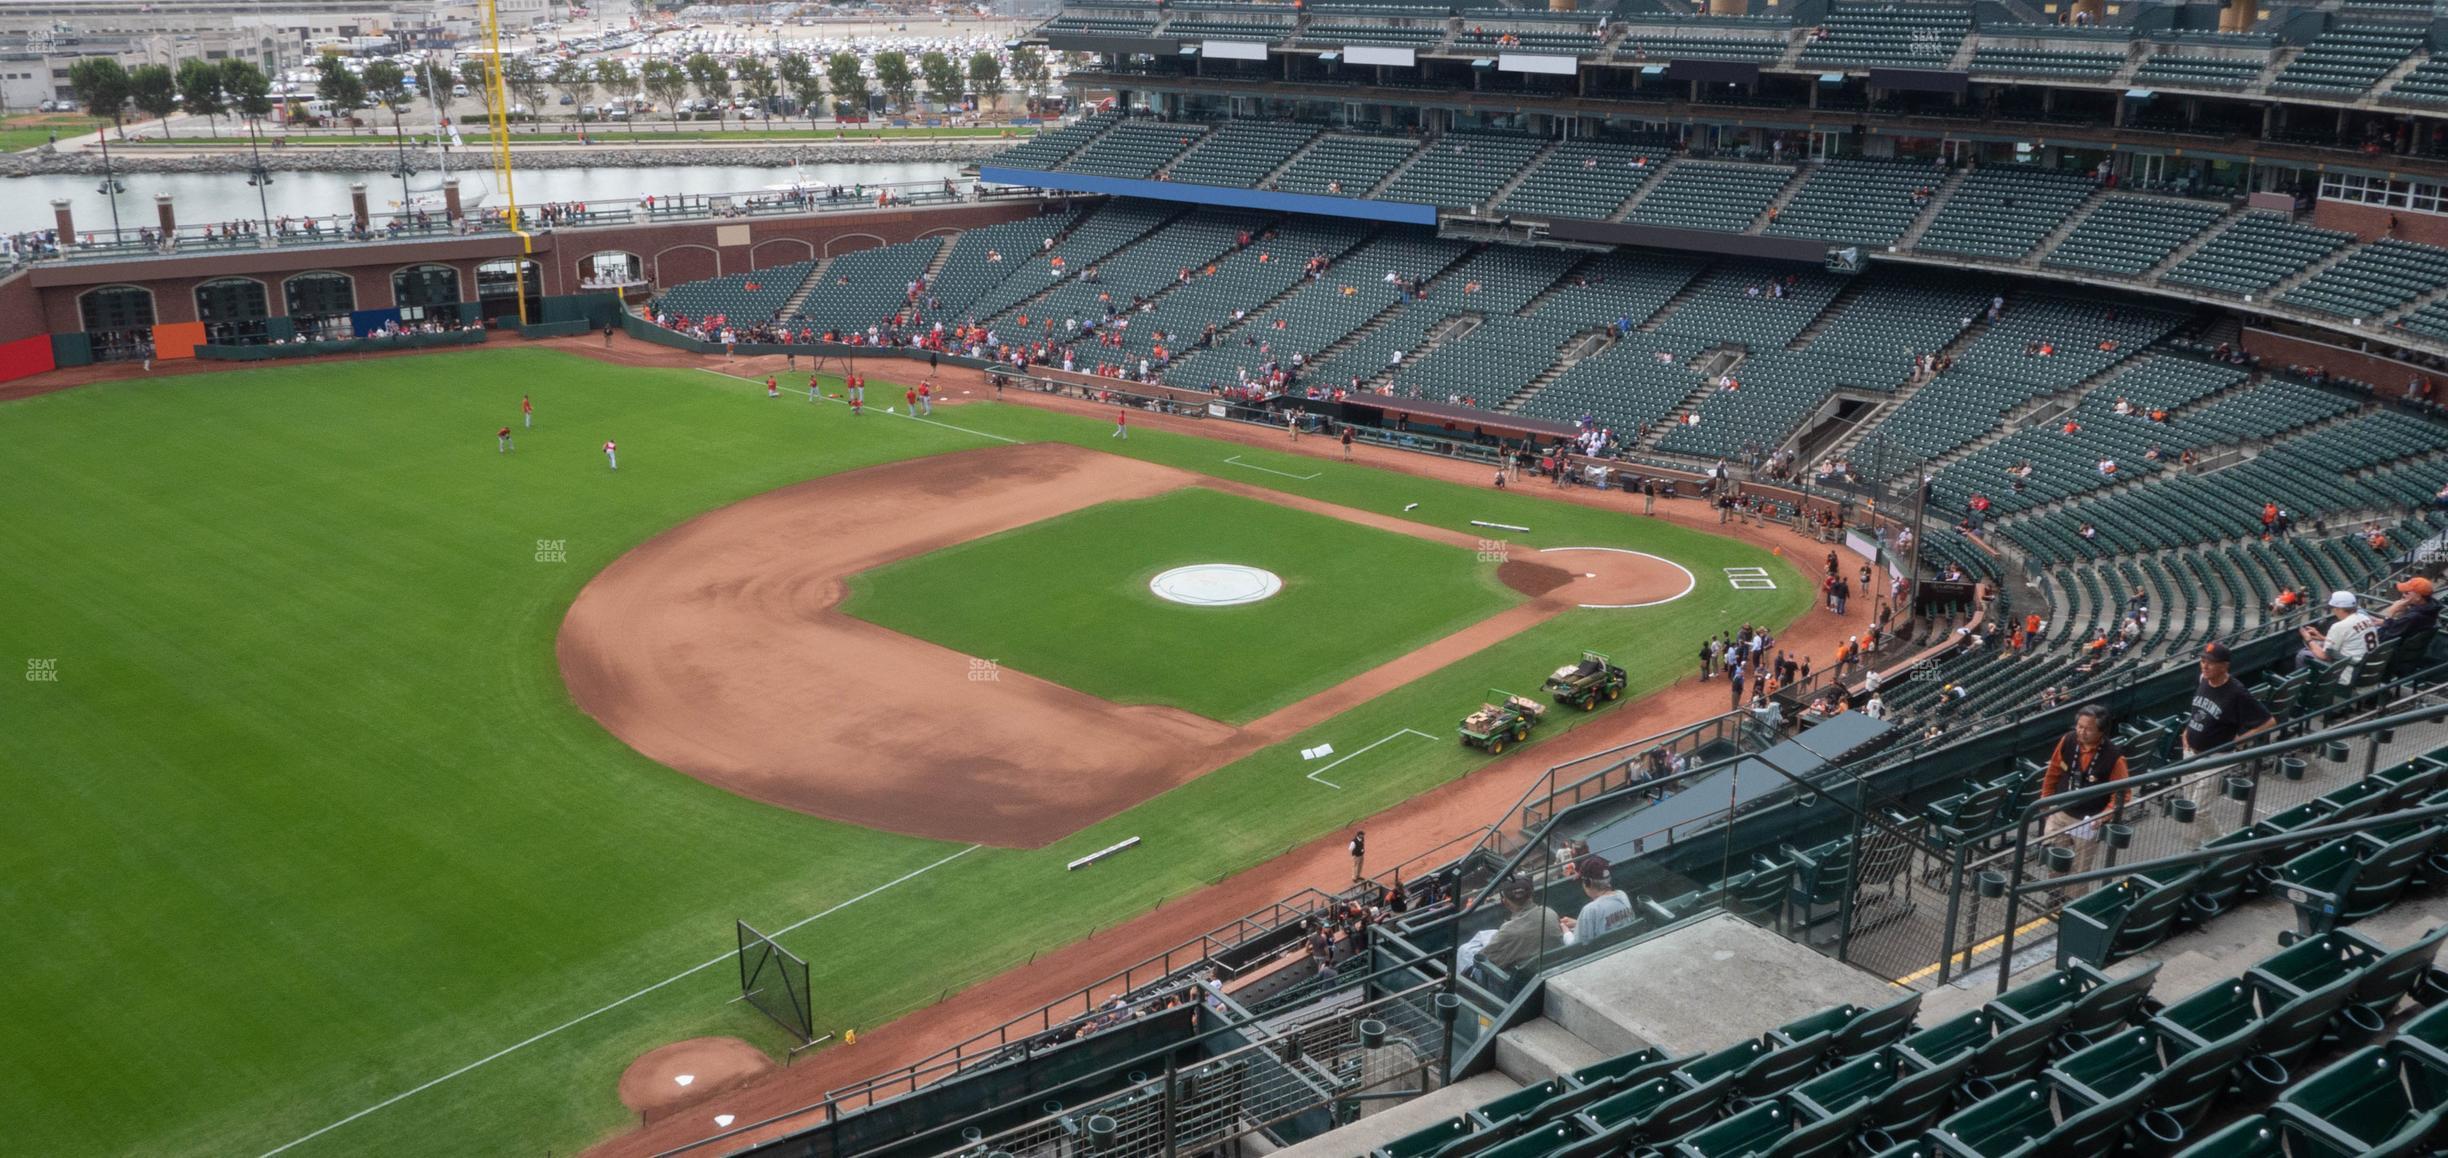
[[503, 435], [1122, 424], [612, 453], [527, 409], [772, 390]]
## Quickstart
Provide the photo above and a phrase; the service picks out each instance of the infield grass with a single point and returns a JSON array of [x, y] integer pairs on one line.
[[1067, 600], [306, 837]]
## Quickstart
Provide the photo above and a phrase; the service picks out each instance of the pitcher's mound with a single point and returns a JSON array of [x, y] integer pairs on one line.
[[653, 1085]]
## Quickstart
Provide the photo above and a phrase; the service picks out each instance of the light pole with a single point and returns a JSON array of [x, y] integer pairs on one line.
[[111, 186], [261, 179]]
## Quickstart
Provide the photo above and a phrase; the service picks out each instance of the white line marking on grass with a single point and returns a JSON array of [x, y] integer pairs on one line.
[[888, 412], [688, 972], [1689, 580], [1236, 461], [1330, 767]]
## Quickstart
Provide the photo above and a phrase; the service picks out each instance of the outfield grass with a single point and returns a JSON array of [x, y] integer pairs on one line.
[[1067, 600], [308, 823]]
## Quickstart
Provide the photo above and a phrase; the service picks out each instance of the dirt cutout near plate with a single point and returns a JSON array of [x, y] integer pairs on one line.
[[685, 1073], [718, 648]]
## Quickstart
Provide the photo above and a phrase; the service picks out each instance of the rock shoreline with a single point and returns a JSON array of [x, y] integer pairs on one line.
[[380, 160]]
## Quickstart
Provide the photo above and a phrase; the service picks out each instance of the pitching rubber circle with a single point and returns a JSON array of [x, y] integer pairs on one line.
[[1215, 584]]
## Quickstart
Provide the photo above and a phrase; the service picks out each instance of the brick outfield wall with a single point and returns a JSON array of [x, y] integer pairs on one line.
[[2371, 222], [2388, 376], [46, 299]]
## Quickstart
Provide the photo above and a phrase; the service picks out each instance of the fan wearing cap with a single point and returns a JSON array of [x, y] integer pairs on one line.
[[2414, 613], [1529, 928], [2350, 636], [1608, 908]]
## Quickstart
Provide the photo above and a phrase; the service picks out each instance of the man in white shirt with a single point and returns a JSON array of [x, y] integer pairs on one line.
[[2351, 635]]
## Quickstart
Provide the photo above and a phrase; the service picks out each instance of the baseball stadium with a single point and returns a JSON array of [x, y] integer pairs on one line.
[[1809, 578]]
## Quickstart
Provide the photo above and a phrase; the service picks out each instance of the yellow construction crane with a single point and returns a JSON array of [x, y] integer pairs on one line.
[[499, 114]]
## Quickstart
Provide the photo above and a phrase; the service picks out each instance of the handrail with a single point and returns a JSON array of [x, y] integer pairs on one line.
[[2293, 836], [1274, 917]]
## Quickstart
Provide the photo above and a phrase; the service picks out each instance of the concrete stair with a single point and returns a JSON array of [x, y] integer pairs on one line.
[[2040, 249], [1938, 199], [1534, 1052], [2176, 256], [815, 277]]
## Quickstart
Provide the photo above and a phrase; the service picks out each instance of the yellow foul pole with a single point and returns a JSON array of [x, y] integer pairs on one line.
[[500, 117]]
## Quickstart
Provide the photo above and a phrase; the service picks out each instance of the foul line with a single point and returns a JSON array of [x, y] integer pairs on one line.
[[1689, 580], [690, 971], [1236, 461], [822, 397], [1348, 755]]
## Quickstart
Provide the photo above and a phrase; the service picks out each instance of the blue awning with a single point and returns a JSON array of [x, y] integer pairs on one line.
[[1330, 57], [1189, 50], [2139, 94], [1483, 62], [1831, 78], [1653, 70]]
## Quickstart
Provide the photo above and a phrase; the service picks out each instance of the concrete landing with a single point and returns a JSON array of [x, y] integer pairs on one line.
[[1540, 1050], [1378, 1129], [1702, 988]]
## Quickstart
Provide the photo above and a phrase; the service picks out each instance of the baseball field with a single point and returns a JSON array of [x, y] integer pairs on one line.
[[372, 790]]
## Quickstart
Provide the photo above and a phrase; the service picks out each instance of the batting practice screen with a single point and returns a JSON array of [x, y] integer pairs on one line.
[[776, 982]]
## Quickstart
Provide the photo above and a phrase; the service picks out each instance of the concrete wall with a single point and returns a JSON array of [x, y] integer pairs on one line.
[[673, 252], [2372, 222], [2388, 375]]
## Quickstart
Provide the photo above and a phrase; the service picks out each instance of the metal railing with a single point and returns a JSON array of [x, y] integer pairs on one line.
[[2162, 812], [1197, 955]]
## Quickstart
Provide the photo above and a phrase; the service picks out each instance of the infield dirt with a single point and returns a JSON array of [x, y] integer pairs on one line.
[[719, 649]]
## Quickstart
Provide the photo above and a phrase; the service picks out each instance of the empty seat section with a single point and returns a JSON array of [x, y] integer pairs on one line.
[[2002, 211], [2258, 251], [1134, 148], [1584, 179], [1346, 166], [1462, 170], [1238, 153], [2127, 235], [1710, 195], [2373, 280], [1856, 202]]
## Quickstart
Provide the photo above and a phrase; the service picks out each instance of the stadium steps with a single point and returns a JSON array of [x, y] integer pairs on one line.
[[2040, 250], [1657, 173], [1690, 290], [2370, 97], [1962, 60], [1276, 174], [1449, 329], [1430, 286], [1514, 182], [1574, 351], [1421, 150], [934, 265], [1852, 439], [816, 276], [1937, 202], [1700, 393], [1540, 299], [1835, 309], [2177, 255], [1802, 175], [2058, 506], [1024, 305], [2287, 284], [2410, 308], [2024, 416]]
